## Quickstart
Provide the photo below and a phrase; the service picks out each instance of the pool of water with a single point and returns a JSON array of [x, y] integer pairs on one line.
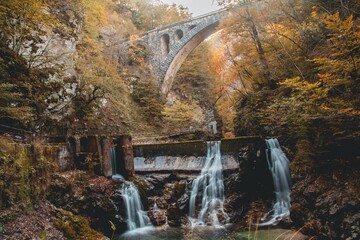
[[210, 233]]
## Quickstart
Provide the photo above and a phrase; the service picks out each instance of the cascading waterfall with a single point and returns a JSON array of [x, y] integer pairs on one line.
[[212, 185], [279, 168], [115, 174], [136, 216], [113, 160], [64, 156]]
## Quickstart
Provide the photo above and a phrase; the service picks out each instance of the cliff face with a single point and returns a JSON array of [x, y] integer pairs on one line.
[[324, 155], [67, 70], [326, 174]]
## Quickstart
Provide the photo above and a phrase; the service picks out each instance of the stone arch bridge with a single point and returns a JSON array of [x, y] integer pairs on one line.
[[167, 47]]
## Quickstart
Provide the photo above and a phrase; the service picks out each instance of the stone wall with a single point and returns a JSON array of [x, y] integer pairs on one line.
[[93, 154]]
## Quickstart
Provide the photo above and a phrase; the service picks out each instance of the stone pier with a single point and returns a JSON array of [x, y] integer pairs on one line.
[[94, 154]]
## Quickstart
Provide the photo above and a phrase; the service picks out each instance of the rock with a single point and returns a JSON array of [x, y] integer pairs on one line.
[[285, 222], [183, 203], [325, 207], [173, 216], [158, 217], [98, 198], [75, 227]]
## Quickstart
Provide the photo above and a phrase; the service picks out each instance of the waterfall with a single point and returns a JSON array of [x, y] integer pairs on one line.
[[63, 157], [115, 174], [212, 185], [279, 168], [137, 217]]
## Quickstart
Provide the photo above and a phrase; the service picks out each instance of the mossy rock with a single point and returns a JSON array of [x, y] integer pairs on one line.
[[75, 226], [179, 189]]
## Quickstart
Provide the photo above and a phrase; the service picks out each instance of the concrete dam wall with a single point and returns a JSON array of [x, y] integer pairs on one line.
[[188, 157]]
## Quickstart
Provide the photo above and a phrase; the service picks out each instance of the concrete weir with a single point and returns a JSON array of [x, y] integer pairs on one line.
[[189, 157], [109, 155]]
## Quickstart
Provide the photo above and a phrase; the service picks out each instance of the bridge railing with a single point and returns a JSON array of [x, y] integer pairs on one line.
[[187, 20], [160, 28]]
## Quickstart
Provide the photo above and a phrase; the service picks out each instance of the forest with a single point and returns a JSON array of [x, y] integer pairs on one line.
[[285, 69], [307, 52]]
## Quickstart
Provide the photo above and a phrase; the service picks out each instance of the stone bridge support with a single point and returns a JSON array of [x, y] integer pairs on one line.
[[100, 155], [124, 156]]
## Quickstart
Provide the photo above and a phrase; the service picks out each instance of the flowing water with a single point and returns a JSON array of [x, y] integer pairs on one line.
[[136, 216], [210, 181], [279, 168], [115, 174], [207, 192], [212, 233]]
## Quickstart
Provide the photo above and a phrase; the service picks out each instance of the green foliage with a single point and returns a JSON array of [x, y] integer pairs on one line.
[[24, 172], [75, 227], [25, 69], [192, 81], [147, 95], [43, 235], [113, 229], [22, 24], [13, 72]]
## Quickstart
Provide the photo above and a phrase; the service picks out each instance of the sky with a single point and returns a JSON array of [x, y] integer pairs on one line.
[[197, 7]]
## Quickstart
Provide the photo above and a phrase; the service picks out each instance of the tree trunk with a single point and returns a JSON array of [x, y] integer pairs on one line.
[[260, 50]]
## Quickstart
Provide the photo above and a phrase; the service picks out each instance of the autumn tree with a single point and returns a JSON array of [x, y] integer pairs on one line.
[[311, 50], [225, 86], [13, 105], [246, 20], [25, 65], [147, 15], [192, 86], [184, 115], [147, 95]]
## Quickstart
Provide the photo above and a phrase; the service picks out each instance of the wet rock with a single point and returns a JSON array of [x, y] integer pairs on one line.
[[173, 215], [285, 222], [325, 207], [75, 227], [158, 217], [183, 203], [98, 199]]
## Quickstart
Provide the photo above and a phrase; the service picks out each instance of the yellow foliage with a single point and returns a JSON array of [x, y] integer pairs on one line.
[[95, 15], [183, 115]]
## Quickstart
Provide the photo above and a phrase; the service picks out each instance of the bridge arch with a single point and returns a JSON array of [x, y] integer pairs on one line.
[[181, 56], [183, 47], [191, 27], [178, 35], [165, 45]]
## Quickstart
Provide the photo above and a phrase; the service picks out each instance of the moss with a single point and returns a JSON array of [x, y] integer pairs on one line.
[[75, 227], [179, 189], [24, 172]]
